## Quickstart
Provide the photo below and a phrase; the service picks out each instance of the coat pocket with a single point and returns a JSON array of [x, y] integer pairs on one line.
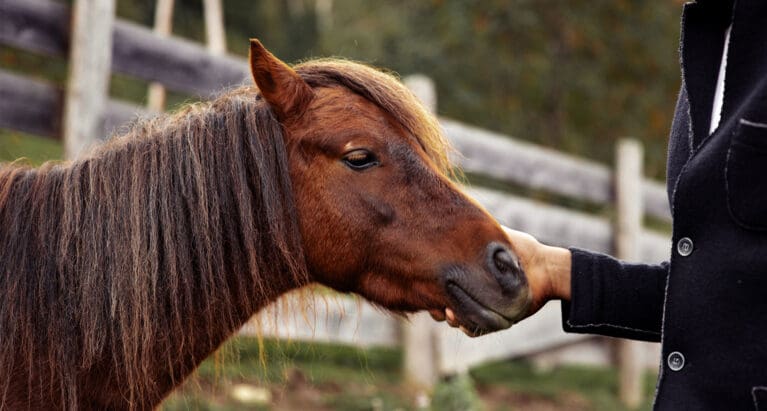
[[759, 394], [746, 175]]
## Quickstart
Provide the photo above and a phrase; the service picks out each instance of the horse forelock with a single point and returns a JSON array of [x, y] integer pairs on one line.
[[122, 261], [389, 94]]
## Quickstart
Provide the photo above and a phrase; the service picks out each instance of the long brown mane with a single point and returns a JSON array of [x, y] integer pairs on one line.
[[174, 233]]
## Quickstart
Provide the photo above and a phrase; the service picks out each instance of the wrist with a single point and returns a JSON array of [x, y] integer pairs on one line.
[[558, 267]]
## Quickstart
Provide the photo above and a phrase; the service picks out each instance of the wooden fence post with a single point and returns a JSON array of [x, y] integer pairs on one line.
[[90, 59], [324, 11], [163, 25], [419, 339], [214, 26], [628, 229]]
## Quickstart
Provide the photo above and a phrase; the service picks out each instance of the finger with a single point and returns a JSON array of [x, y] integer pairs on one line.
[[437, 315], [451, 319]]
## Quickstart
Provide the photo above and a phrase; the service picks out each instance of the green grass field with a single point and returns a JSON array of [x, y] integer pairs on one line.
[[312, 376], [32, 149]]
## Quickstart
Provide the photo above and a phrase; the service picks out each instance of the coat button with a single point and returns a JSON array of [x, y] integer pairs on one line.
[[675, 361], [684, 247]]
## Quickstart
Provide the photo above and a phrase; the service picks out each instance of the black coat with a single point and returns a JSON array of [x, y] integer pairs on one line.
[[707, 305]]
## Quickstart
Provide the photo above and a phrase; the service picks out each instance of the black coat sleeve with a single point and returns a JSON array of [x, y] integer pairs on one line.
[[613, 298]]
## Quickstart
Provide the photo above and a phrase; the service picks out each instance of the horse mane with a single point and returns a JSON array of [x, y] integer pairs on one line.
[[171, 234], [110, 255]]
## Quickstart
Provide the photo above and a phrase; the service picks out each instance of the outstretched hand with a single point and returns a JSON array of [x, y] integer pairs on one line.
[[546, 268]]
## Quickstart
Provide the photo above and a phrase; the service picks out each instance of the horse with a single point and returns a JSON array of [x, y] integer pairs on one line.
[[122, 270]]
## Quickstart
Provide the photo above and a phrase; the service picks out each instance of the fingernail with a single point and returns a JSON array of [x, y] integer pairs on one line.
[[449, 314]]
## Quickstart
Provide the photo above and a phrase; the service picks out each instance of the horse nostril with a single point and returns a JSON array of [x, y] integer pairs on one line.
[[504, 262], [505, 267]]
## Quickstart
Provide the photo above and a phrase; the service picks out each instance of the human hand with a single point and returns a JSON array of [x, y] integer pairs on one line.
[[547, 268]]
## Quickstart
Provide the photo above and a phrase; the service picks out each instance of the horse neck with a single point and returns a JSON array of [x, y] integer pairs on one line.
[[225, 226], [162, 246]]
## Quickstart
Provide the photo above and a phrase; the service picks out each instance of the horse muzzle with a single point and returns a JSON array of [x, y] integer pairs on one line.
[[487, 297]]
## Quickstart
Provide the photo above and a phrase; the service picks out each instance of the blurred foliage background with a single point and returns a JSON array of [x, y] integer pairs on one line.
[[571, 75]]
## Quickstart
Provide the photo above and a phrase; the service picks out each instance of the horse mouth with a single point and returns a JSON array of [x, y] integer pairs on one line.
[[472, 316]]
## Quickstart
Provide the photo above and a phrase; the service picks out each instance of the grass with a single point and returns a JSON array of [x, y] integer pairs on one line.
[[297, 376], [319, 362], [32, 149], [590, 388], [301, 376]]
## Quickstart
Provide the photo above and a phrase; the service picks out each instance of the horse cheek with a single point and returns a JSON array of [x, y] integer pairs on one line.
[[330, 253]]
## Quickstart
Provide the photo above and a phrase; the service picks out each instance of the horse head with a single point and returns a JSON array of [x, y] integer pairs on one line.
[[378, 213]]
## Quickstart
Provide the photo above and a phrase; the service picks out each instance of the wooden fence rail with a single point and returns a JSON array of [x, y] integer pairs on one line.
[[526, 164], [35, 107], [181, 65]]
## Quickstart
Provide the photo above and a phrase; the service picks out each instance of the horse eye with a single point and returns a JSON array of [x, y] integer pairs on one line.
[[360, 160]]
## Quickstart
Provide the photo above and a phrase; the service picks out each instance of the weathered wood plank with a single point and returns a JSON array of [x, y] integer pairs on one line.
[[215, 34], [529, 165], [335, 318], [562, 227], [35, 25], [29, 105], [181, 65], [655, 200], [628, 229], [35, 107], [533, 335], [163, 27], [342, 319], [628, 201], [90, 68]]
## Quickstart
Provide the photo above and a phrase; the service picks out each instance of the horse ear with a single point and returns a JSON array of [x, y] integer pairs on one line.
[[285, 91]]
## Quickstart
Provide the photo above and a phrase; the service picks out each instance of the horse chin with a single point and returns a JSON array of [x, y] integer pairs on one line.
[[484, 309], [475, 318]]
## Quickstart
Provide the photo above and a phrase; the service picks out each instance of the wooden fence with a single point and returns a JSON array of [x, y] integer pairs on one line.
[[34, 106]]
